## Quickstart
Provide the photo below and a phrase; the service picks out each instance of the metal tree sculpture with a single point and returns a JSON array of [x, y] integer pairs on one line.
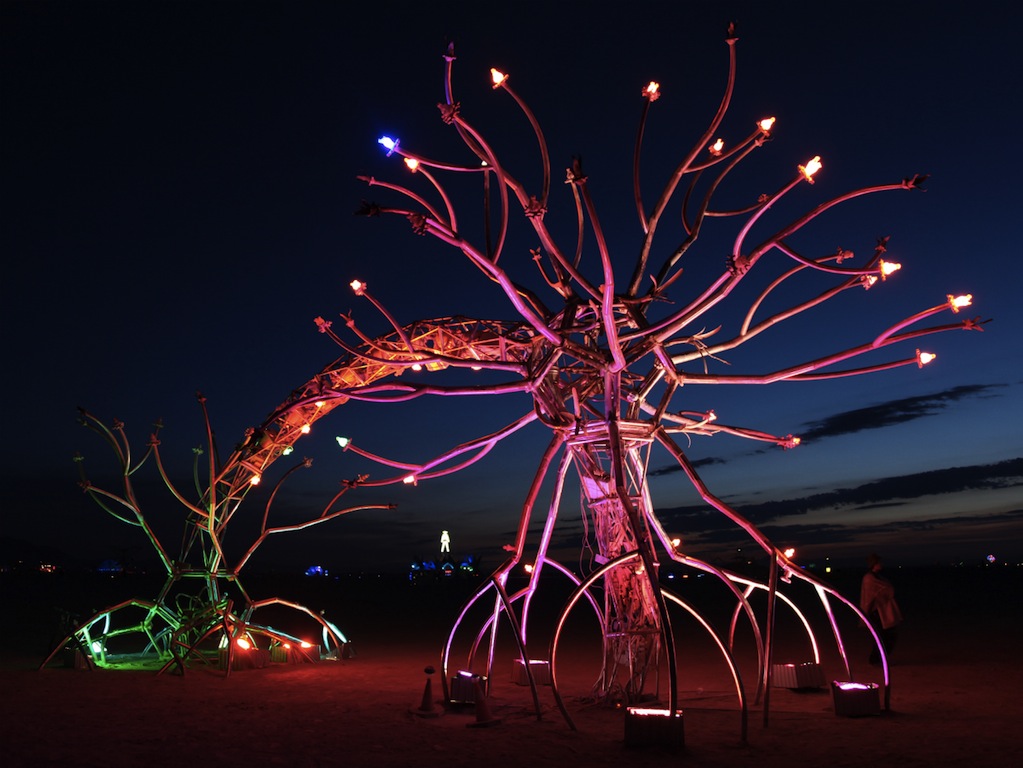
[[603, 369], [603, 366], [203, 607]]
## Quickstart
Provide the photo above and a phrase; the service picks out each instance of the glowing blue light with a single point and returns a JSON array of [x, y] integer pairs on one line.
[[388, 143]]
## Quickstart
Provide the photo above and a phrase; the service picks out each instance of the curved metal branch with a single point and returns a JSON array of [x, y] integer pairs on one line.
[[672, 185]]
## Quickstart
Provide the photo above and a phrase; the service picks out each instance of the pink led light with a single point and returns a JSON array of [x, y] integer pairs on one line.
[[855, 686], [652, 712]]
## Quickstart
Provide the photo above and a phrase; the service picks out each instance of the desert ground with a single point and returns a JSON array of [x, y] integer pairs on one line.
[[956, 678]]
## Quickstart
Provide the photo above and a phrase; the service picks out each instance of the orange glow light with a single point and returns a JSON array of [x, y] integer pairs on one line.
[[789, 552], [409, 479], [306, 645], [717, 146], [887, 267], [811, 168], [766, 124], [956, 303], [243, 643], [412, 164], [923, 358], [358, 286], [254, 480], [305, 429], [652, 91], [498, 77]]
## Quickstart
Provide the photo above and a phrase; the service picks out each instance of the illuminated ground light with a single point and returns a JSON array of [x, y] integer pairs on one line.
[[645, 726], [798, 676], [856, 699], [463, 686], [540, 669]]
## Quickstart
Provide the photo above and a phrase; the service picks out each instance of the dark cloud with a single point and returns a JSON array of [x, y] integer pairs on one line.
[[888, 491], [877, 416], [845, 543], [672, 468], [891, 413]]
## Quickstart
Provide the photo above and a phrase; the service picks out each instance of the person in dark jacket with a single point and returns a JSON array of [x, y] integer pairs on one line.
[[877, 601]]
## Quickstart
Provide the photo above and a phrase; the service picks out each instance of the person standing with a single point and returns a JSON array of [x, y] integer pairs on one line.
[[877, 601]]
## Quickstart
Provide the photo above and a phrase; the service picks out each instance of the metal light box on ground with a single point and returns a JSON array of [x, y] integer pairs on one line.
[[463, 687], [797, 676], [856, 699], [540, 669], [648, 727]]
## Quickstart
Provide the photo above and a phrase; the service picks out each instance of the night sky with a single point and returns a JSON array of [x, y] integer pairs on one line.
[[179, 181]]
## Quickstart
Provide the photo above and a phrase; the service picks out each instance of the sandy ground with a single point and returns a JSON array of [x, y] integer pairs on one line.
[[956, 678]]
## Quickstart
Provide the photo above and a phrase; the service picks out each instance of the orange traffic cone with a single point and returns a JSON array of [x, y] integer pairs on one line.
[[426, 707], [483, 716]]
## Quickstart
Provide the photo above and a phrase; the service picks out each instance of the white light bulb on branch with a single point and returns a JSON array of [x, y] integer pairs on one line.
[[956, 303], [810, 168]]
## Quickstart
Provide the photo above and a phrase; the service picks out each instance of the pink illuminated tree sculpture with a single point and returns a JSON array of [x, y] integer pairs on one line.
[[604, 360]]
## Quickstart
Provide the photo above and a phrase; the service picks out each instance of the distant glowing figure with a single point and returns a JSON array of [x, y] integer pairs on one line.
[[445, 541]]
